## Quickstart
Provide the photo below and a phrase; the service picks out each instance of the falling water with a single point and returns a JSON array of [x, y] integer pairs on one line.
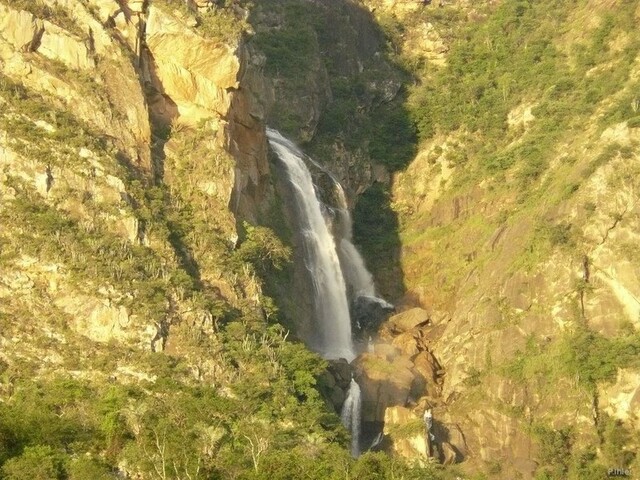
[[320, 256], [351, 416], [332, 269], [356, 274]]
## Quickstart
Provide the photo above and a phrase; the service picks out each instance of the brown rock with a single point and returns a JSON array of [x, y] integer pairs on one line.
[[406, 433], [21, 29], [407, 343], [407, 320], [383, 384], [427, 365], [389, 352], [448, 454]]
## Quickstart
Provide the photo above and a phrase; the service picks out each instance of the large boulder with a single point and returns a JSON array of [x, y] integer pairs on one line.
[[368, 313], [383, 383], [405, 434], [408, 320]]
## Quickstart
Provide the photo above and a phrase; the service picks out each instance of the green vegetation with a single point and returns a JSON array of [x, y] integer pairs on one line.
[[219, 22], [584, 355], [53, 13], [516, 58], [300, 40], [23, 108], [273, 426], [555, 451], [560, 457], [375, 232]]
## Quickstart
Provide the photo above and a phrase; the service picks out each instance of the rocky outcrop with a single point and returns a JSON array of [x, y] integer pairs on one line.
[[399, 379], [98, 64], [517, 278], [115, 83], [406, 433], [195, 73], [193, 79]]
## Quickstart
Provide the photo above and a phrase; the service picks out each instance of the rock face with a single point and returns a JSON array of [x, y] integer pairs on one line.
[[399, 378], [195, 79], [515, 297], [91, 83], [197, 83], [411, 444]]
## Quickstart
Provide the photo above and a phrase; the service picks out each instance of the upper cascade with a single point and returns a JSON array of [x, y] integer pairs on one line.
[[331, 307]]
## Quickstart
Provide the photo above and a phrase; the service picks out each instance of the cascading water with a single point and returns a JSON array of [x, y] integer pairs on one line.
[[359, 279], [350, 416], [323, 262], [320, 256]]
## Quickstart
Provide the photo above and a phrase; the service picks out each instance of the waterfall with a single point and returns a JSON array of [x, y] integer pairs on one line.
[[331, 306], [356, 274], [336, 268], [351, 416], [358, 278]]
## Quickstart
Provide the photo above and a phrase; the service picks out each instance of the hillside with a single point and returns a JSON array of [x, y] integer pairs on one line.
[[154, 296]]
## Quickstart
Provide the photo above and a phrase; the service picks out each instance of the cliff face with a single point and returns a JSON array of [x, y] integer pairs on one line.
[[525, 245], [515, 228], [491, 156], [101, 63], [130, 149]]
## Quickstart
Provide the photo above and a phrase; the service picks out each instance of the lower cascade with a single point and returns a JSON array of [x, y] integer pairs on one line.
[[350, 416], [341, 283]]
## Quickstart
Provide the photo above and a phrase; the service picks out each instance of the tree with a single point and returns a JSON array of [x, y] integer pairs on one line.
[[36, 463]]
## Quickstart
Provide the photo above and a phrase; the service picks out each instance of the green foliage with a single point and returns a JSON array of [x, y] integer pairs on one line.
[[37, 463], [375, 232], [219, 22], [307, 37], [263, 249], [24, 108], [54, 13], [95, 253], [83, 468], [272, 424], [555, 451], [473, 377], [583, 354], [596, 358], [617, 441], [585, 466], [393, 136], [511, 59], [289, 51]]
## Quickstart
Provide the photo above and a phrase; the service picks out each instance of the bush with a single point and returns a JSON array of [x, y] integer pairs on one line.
[[263, 249], [35, 463]]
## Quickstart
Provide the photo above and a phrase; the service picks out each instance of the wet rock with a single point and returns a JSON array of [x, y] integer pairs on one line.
[[342, 372], [368, 313], [384, 350]]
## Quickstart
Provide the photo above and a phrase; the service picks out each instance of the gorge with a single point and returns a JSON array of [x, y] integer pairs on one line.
[[329, 272], [187, 293]]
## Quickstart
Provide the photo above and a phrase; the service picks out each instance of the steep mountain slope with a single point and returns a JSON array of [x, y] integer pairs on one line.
[[490, 154], [136, 341], [519, 221]]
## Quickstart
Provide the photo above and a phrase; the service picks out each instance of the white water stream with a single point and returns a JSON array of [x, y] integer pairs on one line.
[[320, 256], [351, 416], [331, 269]]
